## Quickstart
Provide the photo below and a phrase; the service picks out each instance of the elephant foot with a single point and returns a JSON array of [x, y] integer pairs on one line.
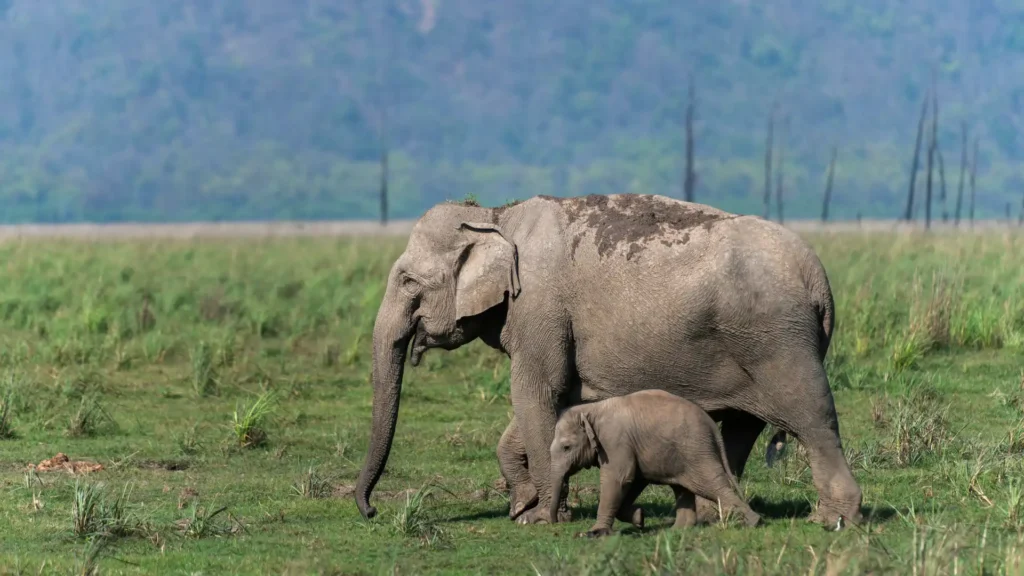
[[595, 533], [638, 518], [535, 515], [707, 512], [523, 497], [832, 520]]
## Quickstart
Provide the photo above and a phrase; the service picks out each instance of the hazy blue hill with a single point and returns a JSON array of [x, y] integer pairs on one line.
[[241, 109]]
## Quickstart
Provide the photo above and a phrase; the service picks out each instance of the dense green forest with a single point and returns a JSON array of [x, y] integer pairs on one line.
[[114, 110]]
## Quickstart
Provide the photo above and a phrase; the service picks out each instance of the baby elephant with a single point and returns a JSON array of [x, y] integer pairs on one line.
[[647, 437]]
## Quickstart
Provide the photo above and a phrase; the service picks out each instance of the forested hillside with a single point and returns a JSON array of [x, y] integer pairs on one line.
[[260, 109]]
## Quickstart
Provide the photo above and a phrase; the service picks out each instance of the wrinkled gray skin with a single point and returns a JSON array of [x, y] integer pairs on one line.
[[647, 437], [600, 296]]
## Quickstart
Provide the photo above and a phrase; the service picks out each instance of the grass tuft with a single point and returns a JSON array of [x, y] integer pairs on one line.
[[248, 424], [96, 516], [88, 419], [313, 484], [6, 413], [204, 372], [203, 523]]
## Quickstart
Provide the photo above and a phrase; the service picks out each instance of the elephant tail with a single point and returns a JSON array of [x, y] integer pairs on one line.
[[774, 449]]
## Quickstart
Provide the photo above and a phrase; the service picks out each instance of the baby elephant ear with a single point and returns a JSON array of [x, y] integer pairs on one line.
[[602, 458], [590, 432]]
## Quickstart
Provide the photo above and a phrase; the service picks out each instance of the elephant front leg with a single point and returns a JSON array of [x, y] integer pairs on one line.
[[536, 382], [614, 489], [514, 467]]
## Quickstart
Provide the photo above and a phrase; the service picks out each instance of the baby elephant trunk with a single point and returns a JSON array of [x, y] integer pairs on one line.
[[557, 480]]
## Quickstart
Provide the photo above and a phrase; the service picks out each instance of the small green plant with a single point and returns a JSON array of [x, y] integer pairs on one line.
[[313, 484], [470, 200], [93, 515], [87, 562], [6, 400], [188, 441], [248, 423], [203, 523], [412, 520], [85, 510], [88, 418], [907, 352], [204, 373], [1014, 509], [916, 425]]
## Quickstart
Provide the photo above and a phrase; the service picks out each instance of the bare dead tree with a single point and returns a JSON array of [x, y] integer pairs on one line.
[[963, 171], [908, 213], [828, 186], [382, 56], [384, 187], [942, 185], [1008, 220], [938, 151], [974, 174], [779, 170], [690, 177], [768, 165], [1020, 217], [932, 146]]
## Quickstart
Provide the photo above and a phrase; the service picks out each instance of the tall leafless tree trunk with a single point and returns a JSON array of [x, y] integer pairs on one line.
[[908, 213], [938, 152], [932, 147], [690, 177], [963, 171], [384, 187], [942, 185], [779, 205], [768, 166], [828, 186], [974, 174], [382, 57]]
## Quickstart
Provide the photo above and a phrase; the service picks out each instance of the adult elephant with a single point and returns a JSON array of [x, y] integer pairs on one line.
[[600, 296]]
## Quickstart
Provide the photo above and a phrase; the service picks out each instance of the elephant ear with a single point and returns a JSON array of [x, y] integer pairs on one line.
[[592, 437], [490, 268]]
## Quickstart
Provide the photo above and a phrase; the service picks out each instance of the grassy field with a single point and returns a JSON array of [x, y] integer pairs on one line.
[[223, 385]]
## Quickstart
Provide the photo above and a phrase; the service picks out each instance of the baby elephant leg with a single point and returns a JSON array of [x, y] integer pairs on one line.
[[720, 490], [686, 507], [513, 465], [615, 486], [629, 512]]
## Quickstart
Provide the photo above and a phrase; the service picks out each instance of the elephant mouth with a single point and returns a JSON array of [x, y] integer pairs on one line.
[[418, 345]]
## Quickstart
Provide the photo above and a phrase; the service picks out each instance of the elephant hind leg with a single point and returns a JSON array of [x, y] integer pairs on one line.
[[629, 512], [801, 404], [686, 512], [514, 468]]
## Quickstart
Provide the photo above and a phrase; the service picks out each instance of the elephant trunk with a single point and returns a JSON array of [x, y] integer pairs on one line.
[[391, 335], [557, 481]]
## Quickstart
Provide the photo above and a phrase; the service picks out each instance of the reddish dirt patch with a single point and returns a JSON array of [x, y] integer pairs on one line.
[[61, 463], [634, 220]]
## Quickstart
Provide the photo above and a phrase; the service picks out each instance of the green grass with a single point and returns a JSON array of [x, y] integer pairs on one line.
[[224, 386]]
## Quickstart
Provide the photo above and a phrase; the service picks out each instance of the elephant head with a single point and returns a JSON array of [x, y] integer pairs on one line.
[[574, 448], [442, 292]]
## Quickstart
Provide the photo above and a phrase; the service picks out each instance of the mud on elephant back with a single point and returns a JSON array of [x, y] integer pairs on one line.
[[599, 296]]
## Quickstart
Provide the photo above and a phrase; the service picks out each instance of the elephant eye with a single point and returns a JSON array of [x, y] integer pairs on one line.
[[565, 448], [408, 283]]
